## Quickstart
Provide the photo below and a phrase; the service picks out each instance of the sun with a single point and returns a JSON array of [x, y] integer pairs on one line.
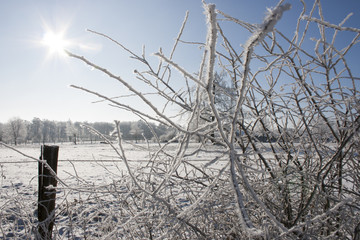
[[55, 42]]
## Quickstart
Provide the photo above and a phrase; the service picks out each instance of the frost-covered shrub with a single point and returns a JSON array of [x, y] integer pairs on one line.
[[293, 183], [283, 146]]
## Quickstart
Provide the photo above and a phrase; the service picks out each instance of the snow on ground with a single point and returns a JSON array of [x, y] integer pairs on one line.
[[78, 166], [91, 203], [83, 168], [19, 170]]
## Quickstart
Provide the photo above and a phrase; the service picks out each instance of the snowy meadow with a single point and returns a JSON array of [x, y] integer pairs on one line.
[[91, 205]]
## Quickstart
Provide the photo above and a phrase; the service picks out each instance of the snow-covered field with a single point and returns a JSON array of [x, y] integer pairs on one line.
[[79, 167], [88, 170], [90, 162], [97, 198]]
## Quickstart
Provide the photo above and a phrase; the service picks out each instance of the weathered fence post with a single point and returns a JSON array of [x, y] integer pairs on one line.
[[47, 191]]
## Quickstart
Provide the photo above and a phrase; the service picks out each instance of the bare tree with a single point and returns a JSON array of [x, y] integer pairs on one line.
[[15, 130], [71, 132], [35, 130], [136, 131]]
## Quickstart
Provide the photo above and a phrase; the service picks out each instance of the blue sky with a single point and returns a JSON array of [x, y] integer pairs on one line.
[[36, 84]]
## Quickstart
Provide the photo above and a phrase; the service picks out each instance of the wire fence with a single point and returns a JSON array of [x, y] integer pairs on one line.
[[102, 160]]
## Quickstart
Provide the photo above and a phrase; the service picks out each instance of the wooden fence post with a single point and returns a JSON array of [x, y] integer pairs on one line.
[[47, 193]]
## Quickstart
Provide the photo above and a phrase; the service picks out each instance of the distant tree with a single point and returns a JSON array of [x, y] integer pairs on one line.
[[16, 130], [71, 132], [88, 135], [61, 131], [136, 131], [45, 131], [79, 131], [147, 129], [35, 129], [52, 131], [125, 128], [161, 129], [1, 132], [28, 129], [168, 135], [104, 128]]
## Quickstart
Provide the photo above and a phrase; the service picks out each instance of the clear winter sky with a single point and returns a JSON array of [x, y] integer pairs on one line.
[[35, 83]]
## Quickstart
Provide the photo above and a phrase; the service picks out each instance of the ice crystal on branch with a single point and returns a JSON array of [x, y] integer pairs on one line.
[[210, 41], [272, 17]]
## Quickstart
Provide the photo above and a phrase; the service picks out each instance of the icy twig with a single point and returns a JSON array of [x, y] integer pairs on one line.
[[128, 86], [330, 25], [319, 217], [180, 69]]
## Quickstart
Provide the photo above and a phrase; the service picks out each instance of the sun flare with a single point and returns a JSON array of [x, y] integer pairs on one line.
[[55, 42]]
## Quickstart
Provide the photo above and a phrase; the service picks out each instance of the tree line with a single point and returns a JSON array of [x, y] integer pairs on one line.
[[18, 131]]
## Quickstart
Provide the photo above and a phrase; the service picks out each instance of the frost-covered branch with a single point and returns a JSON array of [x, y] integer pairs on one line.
[[330, 25], [128, 86]]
